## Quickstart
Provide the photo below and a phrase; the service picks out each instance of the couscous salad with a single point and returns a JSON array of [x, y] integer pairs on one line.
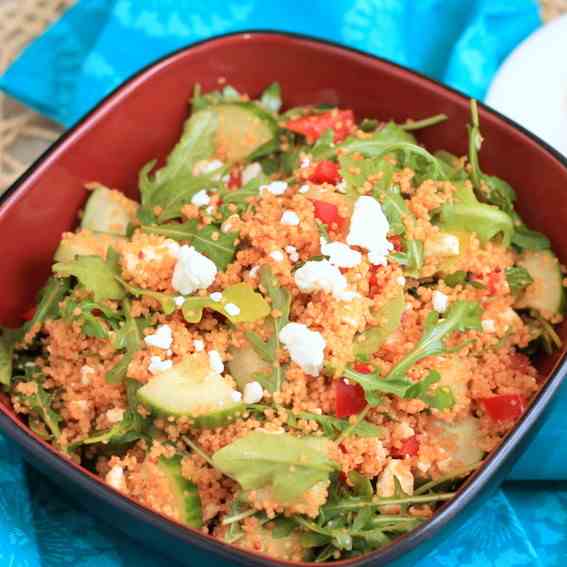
[[308, 331]]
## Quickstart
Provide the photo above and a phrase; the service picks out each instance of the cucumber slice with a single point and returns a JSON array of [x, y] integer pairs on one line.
[[465, 435], [108, 211], [261, 540], [192, 389], [244, 364], [242, 128], [546, 293], [84, 244], [185, 493]]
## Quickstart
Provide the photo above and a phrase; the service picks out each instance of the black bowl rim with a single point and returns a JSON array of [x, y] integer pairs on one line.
[[473, 486]]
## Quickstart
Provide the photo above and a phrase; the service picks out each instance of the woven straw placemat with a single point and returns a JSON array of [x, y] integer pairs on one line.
[[24, 134]]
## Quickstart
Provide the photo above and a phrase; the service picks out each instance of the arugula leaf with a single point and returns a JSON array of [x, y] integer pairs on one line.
[[40, 404], [251, 304], [441, 398], [49, 298], [209, 240], [333, 426], [271, 99], [129, 429], [95, 274], [461, 316], [528, 239], [518, 278], [414, 257], [166, 300], [288, 465], [92, 325], [195, 144], [390, 316], [280, 302], [424, 123], [373, 385], [487, 221], [475, 142], [130, 337], [456, 278], [8, 340], [394, 207], [201, 101], [324, 147], [356, 172]]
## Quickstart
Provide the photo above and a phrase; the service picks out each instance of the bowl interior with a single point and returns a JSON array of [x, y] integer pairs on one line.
[[142, 120]]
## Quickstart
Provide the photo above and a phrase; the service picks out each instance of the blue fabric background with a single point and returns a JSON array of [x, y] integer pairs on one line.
[[101, 42]]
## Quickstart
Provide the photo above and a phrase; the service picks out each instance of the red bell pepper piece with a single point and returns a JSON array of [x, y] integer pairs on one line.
[[504, 407], [362, 367], [349, 399], [325, 172], [409, 448], [340, 121]]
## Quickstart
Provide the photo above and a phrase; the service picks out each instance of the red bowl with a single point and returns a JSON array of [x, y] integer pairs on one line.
[[142, 119]]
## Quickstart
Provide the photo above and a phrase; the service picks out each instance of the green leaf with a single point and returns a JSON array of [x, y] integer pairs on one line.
[[130, 337], [8, 340], [251, 304], [441, 398], [456, 278], [271, 99], [49, 298], [518, 278], [264, 350], [280, 301], [288, 465], [95, 274], [394, 207], [475, 142], [333, 426], [528, 239], [461, 316], [373, 385], [209, 240], [201, 101], [356, 172], [486, 221], [414, 258], [324, 147], [166, 301], [424, 123], [500, 193], [40, 404], [390, 316], [196, 144]]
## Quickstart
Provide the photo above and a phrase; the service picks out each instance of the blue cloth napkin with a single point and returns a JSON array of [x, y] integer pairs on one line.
[[94, 48]]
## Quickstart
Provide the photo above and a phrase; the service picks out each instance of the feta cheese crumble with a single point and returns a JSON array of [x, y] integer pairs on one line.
[[277, 255], [236, 396], [275, 187], [192, 271], [115, 415], [306, 347], [162, 338], [216, 296], [205, 167], [292, 253], [115, 478], [322, 275], [253, 271], [157, 365], [179, 300], [201, 199], [291, 218], [440, 301], [232, 309], [304, 189], [340, 254], [253, 393], [369, 229], [251, 171], [215, 362], [199, 345], [488, 325]]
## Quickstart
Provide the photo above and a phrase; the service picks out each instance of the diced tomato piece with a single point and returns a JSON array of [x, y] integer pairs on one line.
[[327, 213], [362, 368], [234, 178], [29, 313], [492, 281], [350, 399], [340, 121], [325, 172], [409, 447], [504, 407], [373, 281]]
